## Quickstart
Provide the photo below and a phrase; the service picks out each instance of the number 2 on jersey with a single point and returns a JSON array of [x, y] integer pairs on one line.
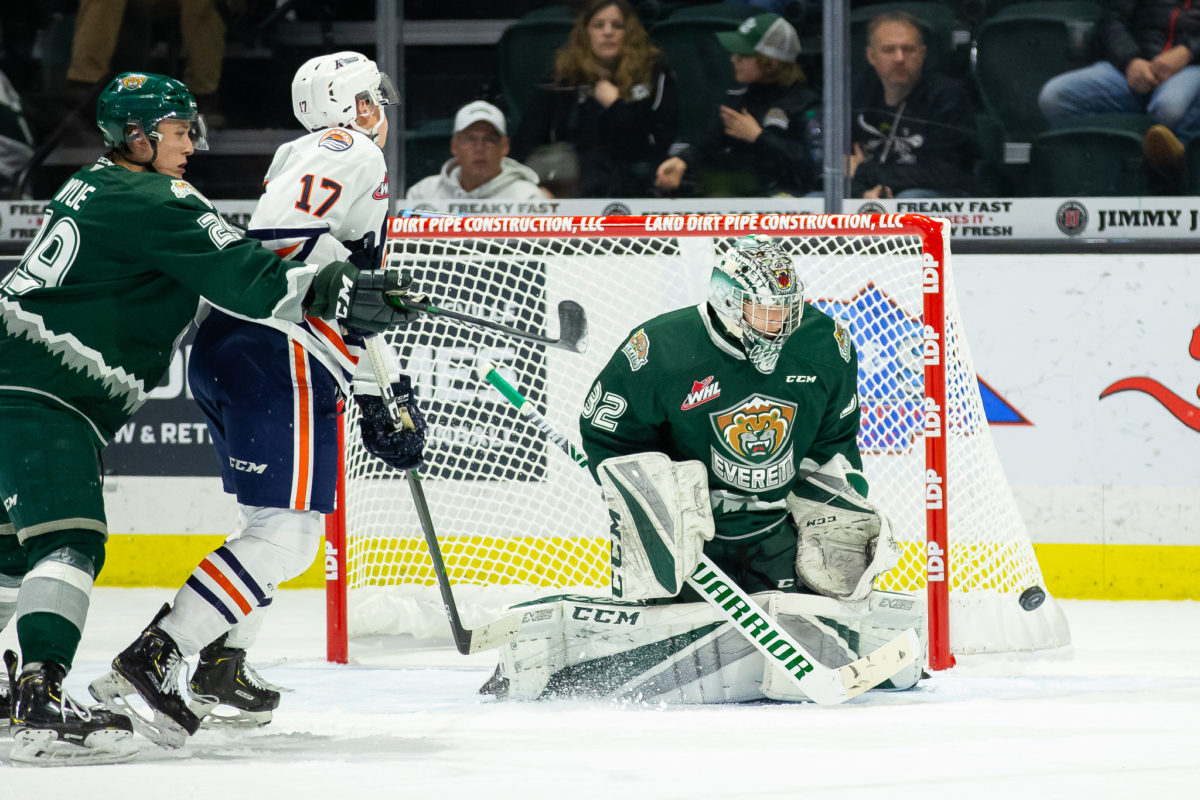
[[335, 191]]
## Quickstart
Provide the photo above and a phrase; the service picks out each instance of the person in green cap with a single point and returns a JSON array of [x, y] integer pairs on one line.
[[89, 320], [758, 144]]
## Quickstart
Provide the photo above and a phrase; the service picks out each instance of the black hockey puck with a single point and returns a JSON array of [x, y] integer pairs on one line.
[[1032, 597]]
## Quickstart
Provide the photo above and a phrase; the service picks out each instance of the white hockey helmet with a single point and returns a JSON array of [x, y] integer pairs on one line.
[[326, 91], [757, 296]]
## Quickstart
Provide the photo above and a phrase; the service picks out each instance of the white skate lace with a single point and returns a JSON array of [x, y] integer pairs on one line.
[[170, 679], [252, 677], [68, 702]]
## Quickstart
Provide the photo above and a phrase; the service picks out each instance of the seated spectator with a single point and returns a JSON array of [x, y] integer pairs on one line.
[[1148, 48], [98, 26], [16, 142], [479, 167], [758, 144], [912, 131], [607, 113]]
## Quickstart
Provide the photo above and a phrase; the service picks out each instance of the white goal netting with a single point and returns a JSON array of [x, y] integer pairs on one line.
[[515, 518]]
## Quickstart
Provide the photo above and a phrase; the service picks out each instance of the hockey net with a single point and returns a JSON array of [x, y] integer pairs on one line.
[[516, 519]]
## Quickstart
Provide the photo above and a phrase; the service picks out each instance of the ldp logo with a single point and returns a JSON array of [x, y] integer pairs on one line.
[[1176, 406]]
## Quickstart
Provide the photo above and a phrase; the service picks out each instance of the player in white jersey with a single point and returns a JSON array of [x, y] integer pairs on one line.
[[271, 393]]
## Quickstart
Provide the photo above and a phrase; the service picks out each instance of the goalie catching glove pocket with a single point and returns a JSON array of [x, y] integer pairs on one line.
[[367, 300], [845, 541], [402, 448], [660, 519]]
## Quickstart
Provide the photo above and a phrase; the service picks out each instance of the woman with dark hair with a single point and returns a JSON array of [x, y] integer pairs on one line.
[[758, 144], [607, 113]]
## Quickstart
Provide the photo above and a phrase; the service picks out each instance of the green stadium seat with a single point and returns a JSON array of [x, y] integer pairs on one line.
[[526, 53], [426, 148], [702, 68], [1087, 161], [1022, 47], [1191, 168]]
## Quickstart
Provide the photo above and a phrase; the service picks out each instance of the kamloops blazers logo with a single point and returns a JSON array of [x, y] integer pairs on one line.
[[757, 433], [702, 392], [1178, 408]]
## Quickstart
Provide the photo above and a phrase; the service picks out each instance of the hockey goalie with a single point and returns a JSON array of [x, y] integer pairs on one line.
[[726, 430]]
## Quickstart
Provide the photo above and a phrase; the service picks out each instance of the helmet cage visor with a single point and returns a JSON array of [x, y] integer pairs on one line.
[[197, 127]]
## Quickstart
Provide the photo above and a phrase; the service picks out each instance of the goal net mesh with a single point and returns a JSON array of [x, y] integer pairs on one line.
[[516, 518]]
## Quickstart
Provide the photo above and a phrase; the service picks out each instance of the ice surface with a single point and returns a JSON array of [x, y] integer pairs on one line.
[[1116, 716]]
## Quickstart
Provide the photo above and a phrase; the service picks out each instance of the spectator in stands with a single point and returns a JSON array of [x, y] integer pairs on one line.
[[759, 144], [16, 141], [607, 113], [98, 26], [1148, 48], [912, 131], [480, 167]]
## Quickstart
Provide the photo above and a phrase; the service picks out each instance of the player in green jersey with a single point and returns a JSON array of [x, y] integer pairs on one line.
[[729, 429], [89, 320]]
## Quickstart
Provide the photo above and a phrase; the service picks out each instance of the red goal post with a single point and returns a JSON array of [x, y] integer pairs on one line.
[[927, 449]]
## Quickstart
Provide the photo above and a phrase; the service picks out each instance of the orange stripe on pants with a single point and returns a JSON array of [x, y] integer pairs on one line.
[[303, 429], [211, 570]]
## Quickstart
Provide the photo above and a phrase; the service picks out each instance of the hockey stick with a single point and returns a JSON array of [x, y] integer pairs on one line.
[[466, 640], [822, 684], [572, 323]]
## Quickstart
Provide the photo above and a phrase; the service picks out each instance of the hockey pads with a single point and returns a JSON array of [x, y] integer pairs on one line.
[[660, 519], [845, 542], [401, 448], [687, 652], [369, 300]]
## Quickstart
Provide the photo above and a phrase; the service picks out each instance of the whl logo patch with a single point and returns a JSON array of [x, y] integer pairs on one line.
[[702, 392], [9, 502]]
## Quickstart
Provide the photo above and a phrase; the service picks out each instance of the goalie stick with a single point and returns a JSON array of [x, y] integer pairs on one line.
[[572, 323], [466, 640], [822, 684]]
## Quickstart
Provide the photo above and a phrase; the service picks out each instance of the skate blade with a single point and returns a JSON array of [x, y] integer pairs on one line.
[[111, 691], [43, 748], [236, 718]]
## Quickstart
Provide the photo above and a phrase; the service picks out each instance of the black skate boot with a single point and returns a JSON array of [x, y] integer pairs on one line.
[[223, 679], [50, 729], [150, 667]]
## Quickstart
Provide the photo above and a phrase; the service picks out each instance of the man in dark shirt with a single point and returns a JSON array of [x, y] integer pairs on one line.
[[912, 131]]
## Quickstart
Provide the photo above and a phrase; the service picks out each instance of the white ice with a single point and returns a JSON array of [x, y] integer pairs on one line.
[[1117, 716]]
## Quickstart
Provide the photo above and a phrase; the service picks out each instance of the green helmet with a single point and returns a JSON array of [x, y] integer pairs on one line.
[[145, 99]]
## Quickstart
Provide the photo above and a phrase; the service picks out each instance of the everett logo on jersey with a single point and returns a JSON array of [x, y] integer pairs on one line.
[[702, 392], [336, 140], [757, 433], [637, 350]]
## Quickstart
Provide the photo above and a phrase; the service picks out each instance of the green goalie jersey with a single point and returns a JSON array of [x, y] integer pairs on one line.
[[90, 318], [679, 386]]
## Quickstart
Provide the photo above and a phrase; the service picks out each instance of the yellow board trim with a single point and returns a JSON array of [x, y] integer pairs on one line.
[[1071, 571]]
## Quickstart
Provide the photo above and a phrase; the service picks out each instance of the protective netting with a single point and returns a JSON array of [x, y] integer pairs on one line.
[[516, 518]]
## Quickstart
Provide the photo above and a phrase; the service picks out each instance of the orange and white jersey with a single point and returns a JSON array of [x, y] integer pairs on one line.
[[325, 199]]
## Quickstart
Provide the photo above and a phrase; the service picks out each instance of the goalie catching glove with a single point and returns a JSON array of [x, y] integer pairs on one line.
[[366, 300], [660, 519], [402, 448], [845, 542]]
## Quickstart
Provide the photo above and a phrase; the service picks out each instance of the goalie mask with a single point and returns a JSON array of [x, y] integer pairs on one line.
[[757, 296], [326, 91], [136, 102]]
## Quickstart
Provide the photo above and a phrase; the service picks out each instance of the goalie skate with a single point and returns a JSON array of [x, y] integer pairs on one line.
[[50, 729], [226, 691], [150, 668]]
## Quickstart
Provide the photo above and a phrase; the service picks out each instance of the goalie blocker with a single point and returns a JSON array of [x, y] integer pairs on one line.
[[573, 646]]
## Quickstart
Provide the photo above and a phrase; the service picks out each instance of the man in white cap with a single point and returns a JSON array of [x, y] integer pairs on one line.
[[480, 167]]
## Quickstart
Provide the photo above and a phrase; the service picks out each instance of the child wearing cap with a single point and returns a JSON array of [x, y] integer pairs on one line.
[[758, 144]]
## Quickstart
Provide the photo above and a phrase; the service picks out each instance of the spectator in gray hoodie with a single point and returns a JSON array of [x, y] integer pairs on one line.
[[480, 167]]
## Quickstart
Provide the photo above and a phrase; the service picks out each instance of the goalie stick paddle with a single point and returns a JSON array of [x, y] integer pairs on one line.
[[822, 684], [572, 323], [466, 640]]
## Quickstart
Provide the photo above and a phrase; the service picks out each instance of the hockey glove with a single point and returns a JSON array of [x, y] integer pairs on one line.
[[369, 300], [401, 448]]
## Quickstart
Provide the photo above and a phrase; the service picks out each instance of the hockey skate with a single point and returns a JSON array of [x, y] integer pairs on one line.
[[50, 729], [5, 701], [150, 667], [225, 690]]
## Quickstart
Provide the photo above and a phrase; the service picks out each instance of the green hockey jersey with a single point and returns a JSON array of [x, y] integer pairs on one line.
[[90, 318], [680, 386]]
